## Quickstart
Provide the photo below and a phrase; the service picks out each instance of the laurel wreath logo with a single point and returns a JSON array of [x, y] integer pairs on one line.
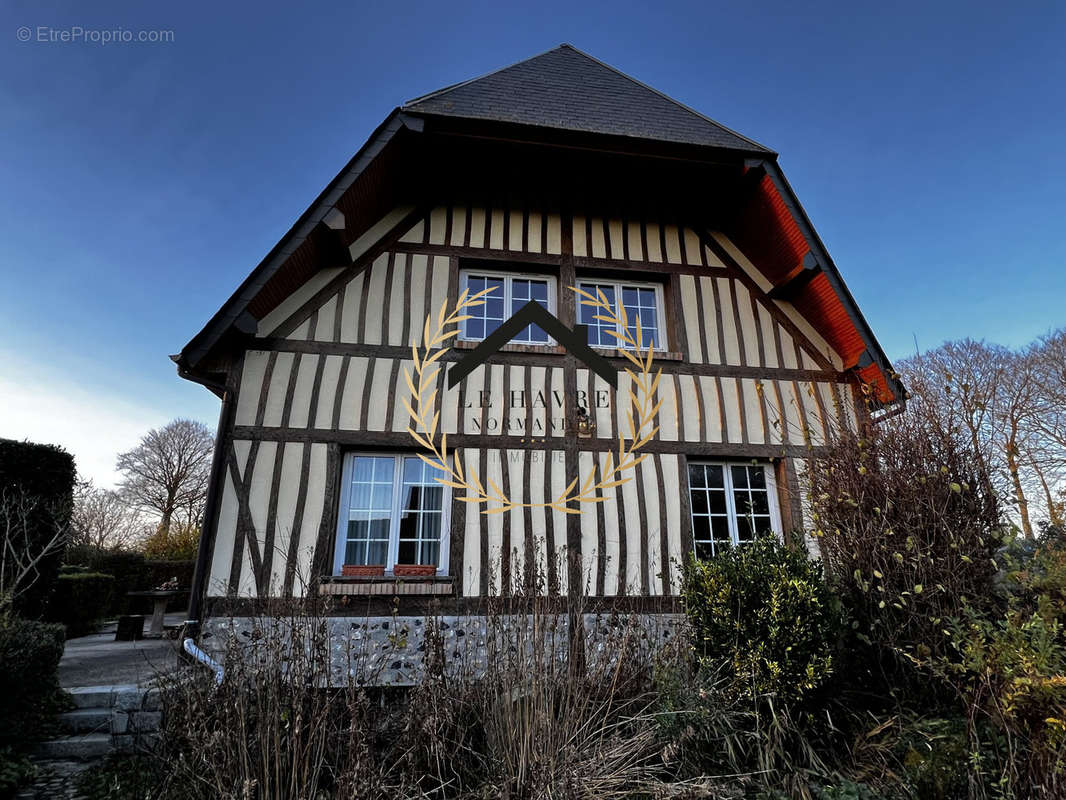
[[425, 418]]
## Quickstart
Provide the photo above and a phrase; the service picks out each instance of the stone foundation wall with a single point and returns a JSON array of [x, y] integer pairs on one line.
[[395, 650]]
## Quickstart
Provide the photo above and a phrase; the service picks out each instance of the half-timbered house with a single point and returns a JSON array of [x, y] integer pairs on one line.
[[554, 173]]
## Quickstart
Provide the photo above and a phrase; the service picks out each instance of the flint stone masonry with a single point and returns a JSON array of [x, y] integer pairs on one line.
[[391, 651]]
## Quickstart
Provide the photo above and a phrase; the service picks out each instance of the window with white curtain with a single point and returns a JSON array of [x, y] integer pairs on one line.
[[392, 512]]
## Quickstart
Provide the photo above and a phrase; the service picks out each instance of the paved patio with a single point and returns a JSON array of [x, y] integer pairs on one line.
[[99, 660]]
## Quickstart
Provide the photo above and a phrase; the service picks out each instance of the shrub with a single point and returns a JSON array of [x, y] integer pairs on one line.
[[16, 770], [121, 777], [177, 544], [80, 601], [846, 790], [934, 754], [132, 572], [711, 728], [518, 719], [36, 500], [766, 610], [1009, 671], [29, 689], [907, 528], [126, 566], [765, 634]]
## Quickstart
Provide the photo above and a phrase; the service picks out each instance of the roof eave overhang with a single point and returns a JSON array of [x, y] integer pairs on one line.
[[819, 260], [234, 319], [565, 138], [234, 312]]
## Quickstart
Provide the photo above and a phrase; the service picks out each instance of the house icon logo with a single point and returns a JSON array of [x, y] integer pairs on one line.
[[574, 340]]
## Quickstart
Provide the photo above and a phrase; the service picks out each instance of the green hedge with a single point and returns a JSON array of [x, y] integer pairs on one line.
[[80, 601], [45, 472], [134, 573], [29, 686]]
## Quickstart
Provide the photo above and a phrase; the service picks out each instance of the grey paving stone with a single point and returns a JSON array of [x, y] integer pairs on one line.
[[86, 720], [80, 748]]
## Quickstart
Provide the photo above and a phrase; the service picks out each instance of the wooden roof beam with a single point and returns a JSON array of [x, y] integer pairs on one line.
[[797, 279], [329, 241]]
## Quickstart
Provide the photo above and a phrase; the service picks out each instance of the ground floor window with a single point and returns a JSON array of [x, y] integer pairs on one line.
[[731, 504], [392, 512]]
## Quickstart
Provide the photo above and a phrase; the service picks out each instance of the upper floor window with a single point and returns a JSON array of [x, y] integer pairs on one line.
[[643, 301], [731, 504], [510, 292], [392, 512]]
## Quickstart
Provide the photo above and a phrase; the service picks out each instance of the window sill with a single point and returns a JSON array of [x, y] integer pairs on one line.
[[548, 349], [387, 585], [660, 355], [557, 350]]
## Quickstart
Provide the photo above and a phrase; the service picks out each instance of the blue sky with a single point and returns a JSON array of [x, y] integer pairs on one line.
[[139, 183]]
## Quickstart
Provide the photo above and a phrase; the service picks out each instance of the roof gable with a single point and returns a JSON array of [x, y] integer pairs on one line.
[[567, 89], [563, 89]]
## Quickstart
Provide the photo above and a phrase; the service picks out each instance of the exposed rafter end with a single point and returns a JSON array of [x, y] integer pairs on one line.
[[412, 123], [334, 219], [754, 171], [797, 278], [329, 241], [246, 324]]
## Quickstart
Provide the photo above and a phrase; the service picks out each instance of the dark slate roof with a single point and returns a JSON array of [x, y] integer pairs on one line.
[[568, 89]]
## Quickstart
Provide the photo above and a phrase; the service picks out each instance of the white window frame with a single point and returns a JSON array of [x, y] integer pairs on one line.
[[618, 285], [508, 277], [730, 500], [394, 518]]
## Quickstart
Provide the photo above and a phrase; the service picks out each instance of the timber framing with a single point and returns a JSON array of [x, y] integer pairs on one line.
[[766, 357]]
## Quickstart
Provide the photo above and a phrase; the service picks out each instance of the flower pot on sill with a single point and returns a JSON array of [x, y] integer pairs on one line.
[[414, 570], [363, 570]]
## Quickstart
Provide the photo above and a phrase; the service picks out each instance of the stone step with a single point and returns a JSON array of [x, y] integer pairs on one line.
[[104, 696], [86, 720], [81, 747], [91, 696]]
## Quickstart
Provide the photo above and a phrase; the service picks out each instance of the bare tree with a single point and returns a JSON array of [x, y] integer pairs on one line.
[[167, 474], [103, 519], [1015, 423], [26, 546], [957, 388], [1006, 407], [1049, 357]]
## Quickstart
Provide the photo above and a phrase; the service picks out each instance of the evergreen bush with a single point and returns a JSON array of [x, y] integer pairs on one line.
[[766, 610], [36, 498], [29, 686], [80, 601]]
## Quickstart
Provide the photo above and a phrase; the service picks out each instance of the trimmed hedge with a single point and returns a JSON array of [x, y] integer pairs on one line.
[[45, 472], [29, 686], [133, 573], [80, 601]]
